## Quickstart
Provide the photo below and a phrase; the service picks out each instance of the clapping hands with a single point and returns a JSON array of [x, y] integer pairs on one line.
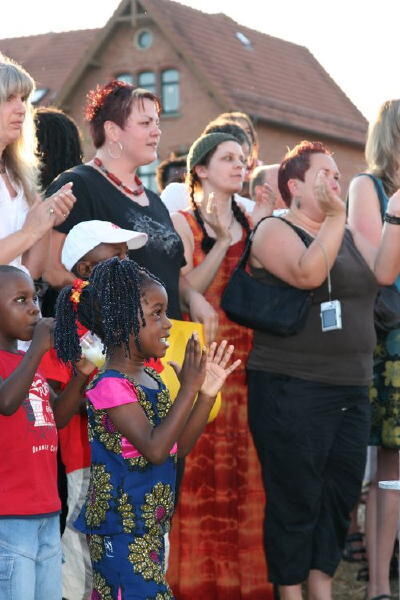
[[45, 214], [218, 367], [215, 361], [212, 217], [328, 200]]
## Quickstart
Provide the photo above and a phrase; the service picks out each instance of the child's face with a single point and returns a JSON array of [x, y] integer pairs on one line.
[[153, 336], [19, 312], [99, 254]]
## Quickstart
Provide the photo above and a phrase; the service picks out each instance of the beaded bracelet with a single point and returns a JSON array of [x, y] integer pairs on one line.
[[391, 219]]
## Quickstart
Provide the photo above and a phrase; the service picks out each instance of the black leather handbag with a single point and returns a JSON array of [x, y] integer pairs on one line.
[[278, 308]]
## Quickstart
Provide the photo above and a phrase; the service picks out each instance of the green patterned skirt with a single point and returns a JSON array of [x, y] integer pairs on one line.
[[385, 392]]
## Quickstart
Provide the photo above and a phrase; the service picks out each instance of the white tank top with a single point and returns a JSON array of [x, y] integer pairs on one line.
[[12, 213]]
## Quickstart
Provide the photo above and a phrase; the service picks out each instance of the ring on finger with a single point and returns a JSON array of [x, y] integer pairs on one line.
[[51, 210]]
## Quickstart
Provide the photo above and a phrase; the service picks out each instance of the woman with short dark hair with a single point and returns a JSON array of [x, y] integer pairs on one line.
[[124, 123], [308, 392]]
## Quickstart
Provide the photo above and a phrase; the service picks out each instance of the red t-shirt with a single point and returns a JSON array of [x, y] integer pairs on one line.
[[28, 450], [73, 438]]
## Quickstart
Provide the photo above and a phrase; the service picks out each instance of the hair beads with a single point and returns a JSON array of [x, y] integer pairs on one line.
[[110, 306]]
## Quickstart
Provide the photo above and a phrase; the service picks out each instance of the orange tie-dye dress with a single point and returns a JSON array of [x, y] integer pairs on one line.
[[217, 530]]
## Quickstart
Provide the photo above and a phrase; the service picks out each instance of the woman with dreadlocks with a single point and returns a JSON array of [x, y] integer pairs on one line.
[[59, 143], [136, 434], [216, 540]]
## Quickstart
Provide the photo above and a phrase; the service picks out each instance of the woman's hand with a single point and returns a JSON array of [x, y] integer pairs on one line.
[[45, 214], [212, 217], [61, 203], [329, 202], [393, 207], [264, 205], [193, 370], [201, 311], [217, 369]]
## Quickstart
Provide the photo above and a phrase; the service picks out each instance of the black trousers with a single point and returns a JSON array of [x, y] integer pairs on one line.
[[311, 440]]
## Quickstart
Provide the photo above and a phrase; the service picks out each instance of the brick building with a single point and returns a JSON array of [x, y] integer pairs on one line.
[[200, 65]]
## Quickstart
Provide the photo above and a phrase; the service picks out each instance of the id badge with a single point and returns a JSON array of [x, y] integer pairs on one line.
[[331, 315]]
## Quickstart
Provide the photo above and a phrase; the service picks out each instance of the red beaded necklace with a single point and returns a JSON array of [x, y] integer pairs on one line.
[[139, 190]]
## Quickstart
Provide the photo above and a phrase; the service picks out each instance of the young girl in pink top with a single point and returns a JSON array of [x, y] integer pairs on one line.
[[136, 433]]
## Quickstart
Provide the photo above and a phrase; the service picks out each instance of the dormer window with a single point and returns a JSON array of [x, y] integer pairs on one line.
[[244, 40], [38, 95]]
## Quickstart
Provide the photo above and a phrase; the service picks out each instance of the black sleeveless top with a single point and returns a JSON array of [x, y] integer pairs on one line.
[[97, 198], [342, 356]]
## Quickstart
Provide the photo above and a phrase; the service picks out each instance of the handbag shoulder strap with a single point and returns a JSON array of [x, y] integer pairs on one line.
[[380, 191], [305, 238]]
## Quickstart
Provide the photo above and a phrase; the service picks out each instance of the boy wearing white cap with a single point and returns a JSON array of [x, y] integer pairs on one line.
[[87, 244], [92, 242]]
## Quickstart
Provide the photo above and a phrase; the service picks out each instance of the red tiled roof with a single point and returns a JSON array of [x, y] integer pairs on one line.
[[272, 80], [51, 57]]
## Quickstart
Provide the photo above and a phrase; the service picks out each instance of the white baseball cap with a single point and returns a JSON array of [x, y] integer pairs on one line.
[[86, 235]]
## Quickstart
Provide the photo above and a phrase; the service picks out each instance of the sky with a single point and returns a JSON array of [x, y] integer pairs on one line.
[[356, 41]]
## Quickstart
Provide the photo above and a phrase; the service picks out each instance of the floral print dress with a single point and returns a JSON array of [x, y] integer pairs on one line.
[[130, 501]]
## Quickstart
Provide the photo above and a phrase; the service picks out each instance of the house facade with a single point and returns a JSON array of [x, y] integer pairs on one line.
[[200, 65]]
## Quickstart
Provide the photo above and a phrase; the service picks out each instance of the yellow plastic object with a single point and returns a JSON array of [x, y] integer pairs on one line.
[[180, 333]]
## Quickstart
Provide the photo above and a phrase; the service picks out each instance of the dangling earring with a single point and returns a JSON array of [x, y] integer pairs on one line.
[[111, 155], [297, 202]]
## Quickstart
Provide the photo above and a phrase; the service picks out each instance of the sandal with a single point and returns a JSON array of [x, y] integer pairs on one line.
[[354, 549]]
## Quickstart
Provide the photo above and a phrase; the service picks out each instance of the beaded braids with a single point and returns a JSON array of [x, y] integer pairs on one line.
[[193, 183], [109, 306]]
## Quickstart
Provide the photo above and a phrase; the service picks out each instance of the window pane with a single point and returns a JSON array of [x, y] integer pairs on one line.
[[147, 80], [145, 39], [170, 90], [147, 174], [170, 76], [126, 77]]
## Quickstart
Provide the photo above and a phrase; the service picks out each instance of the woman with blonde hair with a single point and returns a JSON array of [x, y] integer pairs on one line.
[[24, 217], [368, 197]]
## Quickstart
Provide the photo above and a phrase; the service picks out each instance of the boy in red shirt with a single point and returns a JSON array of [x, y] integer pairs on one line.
[[30, 552]]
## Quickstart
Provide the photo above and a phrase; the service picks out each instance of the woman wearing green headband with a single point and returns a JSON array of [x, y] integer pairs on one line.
[[216, 547]]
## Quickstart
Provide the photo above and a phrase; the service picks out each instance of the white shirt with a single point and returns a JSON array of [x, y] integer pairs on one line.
[[176, 197], [13, 212]]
